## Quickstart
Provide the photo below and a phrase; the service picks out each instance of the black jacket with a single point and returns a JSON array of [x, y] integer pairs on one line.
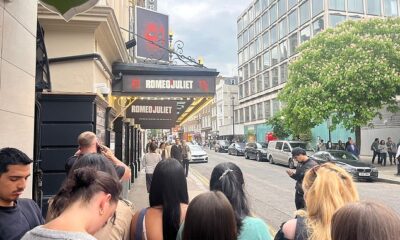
[[176, 152], [301, 170]]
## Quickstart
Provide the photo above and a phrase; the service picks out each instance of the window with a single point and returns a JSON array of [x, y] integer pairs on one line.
[[258, 26], [337, 5], [304, 12], [236, 116], [335, 19], [251, 14], [240, 56], [251, 32], [246, 54], [241, 113], [355, 6], [275, 77], [259, 83], [275, 106], [284, 72], [257, 7], [252, 68], [264, 4], [281, 7], [390, 8], [318, 25], [240, 75], [273, 13], [266, 40], [241, 91], [259, 45], [240, 25], [258, 64], [283, 50], [245, 37], [274, 56], [291, 3], [240, 41], [293, 42], [267, 60], [374, 7], [267, 109], [293, 20], [252, 50], [274, 34], [246, 114], [246, 89], [253, 112], [305, 34], [317, 7], [260, 111], [245, 20], [267, 84], [252, 86], [282, 28], [265, 20]]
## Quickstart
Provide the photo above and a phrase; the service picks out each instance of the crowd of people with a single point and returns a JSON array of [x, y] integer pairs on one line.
[[89, 205]]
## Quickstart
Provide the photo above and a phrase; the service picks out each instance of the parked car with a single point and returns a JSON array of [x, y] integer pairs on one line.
[[198, 154], [236, 149], [221, 146], [280, 151], [256, 151], [359, 170]]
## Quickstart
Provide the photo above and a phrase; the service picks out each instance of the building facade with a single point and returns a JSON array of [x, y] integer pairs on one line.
[[269, 32]]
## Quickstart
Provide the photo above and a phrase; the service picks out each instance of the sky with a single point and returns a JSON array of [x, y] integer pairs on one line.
[[207, 28]]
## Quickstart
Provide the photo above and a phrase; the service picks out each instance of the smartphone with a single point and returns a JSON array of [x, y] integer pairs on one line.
[[100, 148]]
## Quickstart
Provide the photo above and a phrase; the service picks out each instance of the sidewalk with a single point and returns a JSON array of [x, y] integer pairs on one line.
[[387, 173], [140, 198]]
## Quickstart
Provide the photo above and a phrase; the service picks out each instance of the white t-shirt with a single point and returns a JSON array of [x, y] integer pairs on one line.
[[150, 161]]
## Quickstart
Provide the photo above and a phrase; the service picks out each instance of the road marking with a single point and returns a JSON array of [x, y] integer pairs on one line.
[[200, 177]]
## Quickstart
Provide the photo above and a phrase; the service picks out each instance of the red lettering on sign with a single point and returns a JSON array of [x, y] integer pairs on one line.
[[135, 83], [203, 84]]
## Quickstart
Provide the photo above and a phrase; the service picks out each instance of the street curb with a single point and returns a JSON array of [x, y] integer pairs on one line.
[[388, 181]]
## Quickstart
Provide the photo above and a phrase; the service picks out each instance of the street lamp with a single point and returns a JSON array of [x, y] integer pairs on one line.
[[233, 118]]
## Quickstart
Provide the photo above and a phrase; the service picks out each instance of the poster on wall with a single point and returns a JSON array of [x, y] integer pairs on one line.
[[153, 114], [152, 35]]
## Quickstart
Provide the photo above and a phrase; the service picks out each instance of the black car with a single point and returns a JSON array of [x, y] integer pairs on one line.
[[256, 151], [236, 149], [221, 146], [359, 170]]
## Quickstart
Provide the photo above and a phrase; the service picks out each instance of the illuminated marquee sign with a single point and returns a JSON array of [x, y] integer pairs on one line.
[[165, 85], [153, 114]]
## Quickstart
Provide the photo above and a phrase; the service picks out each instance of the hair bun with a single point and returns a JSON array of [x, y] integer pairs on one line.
[[84, 176]]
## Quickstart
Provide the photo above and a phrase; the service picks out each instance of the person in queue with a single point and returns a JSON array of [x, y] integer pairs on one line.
[[150, 161], [228, 178], [17, 215], [303, 164], [168, 204], [203, 218], [88, 143], [365, 221], [89, 199], [327, 188], [121, 227]]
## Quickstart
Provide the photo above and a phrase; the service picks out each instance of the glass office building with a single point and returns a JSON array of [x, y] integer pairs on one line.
[[269, 32]]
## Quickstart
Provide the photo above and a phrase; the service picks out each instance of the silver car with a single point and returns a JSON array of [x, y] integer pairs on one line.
[[280, 151], [198, 154]]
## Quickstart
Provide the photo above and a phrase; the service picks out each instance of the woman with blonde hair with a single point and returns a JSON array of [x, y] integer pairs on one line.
[[327, 188]]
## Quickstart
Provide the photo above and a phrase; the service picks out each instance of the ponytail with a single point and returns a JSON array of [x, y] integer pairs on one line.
[[83, 184]]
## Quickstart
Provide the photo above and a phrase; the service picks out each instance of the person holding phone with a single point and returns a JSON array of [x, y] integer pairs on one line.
[[88, 143]]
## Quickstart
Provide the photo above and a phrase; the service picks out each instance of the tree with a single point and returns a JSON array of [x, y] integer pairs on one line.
[[348, 73], [279, 129]]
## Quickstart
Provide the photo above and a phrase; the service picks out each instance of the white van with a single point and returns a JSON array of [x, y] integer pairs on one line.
[[280, 151]]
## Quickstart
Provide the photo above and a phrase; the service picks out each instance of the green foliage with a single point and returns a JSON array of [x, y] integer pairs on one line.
[[347, 73], [280, 130]]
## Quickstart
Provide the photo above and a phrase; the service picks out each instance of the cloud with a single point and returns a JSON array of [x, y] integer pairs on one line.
[[208, 29]]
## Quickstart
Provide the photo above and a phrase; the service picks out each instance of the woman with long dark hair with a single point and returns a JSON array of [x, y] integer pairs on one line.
[[203, 218], [228, 178], [168, 203], [88, 199]]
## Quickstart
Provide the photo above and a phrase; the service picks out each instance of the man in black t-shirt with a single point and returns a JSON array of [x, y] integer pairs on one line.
[[17, 216], [176, 150], [88, 143]]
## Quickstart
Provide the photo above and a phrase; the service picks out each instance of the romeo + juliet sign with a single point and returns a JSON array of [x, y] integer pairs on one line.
[[166, 85], [153, 114]]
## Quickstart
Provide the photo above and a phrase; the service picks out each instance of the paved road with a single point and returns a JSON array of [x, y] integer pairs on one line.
[[271, 191]]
